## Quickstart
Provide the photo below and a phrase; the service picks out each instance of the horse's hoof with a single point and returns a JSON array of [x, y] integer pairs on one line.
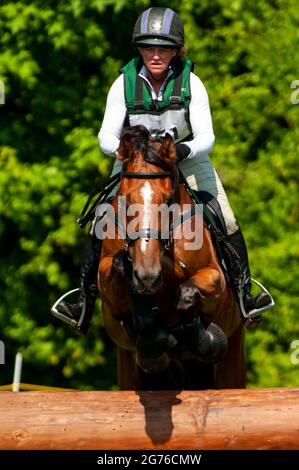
[[152, 365], [156, 344]]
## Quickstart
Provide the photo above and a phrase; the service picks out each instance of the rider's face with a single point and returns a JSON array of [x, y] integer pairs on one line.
[[157, 59]]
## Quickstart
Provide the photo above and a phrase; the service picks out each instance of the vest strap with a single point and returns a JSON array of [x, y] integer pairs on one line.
[[139, 93], [177, 87]]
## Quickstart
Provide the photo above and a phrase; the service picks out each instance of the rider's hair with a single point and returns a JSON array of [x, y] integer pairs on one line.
[[182, 52]]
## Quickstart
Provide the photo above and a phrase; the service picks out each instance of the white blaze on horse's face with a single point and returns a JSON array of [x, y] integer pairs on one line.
[[147, 194]]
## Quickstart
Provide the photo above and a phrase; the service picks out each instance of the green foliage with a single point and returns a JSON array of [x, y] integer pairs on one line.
[[57, 62]]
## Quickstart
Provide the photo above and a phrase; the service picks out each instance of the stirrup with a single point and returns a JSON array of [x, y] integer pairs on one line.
[[76, 324], [252, 314]]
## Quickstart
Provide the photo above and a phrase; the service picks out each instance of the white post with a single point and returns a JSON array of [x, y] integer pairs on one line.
[[2, 92], [17, 372], [2, 353]]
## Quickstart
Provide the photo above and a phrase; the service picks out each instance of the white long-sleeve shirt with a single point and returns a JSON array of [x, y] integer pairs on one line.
[[199, 115]]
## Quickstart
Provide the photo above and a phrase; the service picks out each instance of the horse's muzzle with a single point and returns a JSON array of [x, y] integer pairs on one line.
[[147, 282]]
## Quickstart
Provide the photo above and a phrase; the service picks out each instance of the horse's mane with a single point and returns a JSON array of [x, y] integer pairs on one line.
[[140, 138]]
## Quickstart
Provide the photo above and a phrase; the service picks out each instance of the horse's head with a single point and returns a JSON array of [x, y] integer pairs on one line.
[[148, 184]]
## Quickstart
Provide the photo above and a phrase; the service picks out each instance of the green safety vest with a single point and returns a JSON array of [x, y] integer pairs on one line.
[[171, 114]]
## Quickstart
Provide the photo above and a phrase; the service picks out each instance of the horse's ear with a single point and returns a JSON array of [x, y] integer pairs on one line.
[[167, 149], [125, 150]]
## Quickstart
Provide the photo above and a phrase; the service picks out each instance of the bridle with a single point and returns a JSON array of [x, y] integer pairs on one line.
[[144, 232]]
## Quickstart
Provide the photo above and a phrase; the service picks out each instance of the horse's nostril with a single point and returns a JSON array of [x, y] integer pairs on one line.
[[138, 279], [158, 281]]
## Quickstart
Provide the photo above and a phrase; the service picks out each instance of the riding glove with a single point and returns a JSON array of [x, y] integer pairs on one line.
[[182, 152]]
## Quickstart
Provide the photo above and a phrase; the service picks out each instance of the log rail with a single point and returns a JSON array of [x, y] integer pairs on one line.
[[104, 420]]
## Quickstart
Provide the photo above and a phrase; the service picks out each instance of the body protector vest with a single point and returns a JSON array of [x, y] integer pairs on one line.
[[169, 115]]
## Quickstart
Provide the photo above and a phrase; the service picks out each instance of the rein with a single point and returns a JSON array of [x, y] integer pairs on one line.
[[102, 192]]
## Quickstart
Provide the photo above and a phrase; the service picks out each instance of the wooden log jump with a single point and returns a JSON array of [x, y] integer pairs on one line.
[[201, 420]]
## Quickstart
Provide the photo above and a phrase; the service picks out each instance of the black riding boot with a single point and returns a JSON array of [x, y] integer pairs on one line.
[[250, 302], [88, 286]]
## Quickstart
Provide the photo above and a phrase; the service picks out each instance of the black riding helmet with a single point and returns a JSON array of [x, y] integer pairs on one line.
[[158, 26]]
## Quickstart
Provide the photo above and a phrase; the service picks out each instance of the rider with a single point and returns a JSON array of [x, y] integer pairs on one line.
[[159, 90]]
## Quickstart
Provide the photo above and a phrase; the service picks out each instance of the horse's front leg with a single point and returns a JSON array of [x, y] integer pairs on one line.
[[201, 293], [200, 299]]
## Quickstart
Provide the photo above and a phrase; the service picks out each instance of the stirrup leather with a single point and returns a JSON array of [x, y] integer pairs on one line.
[[256, 311], [76, 324]]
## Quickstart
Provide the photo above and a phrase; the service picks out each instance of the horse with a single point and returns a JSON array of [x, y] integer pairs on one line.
[[169, 310]]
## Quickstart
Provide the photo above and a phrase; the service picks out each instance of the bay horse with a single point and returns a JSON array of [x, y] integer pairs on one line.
[[169, 310]]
